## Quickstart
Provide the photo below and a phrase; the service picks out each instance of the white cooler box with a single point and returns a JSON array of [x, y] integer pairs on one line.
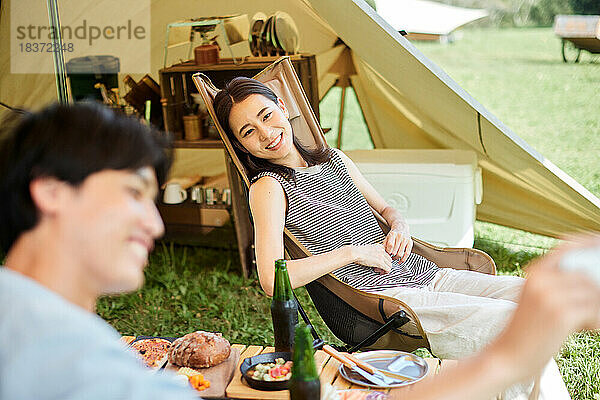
[[436, 190]]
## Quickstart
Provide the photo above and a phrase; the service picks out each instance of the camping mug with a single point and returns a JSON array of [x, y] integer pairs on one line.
[[197, 194], [226, 196], [174, 194], [211, 196]]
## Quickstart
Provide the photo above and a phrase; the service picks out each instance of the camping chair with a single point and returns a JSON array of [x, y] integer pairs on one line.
[[359, 319]]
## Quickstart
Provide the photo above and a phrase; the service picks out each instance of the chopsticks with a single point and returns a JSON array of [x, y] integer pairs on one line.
[[372, 378], [352, 362], [339, 356]]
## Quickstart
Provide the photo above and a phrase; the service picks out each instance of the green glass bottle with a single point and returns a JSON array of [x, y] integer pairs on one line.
[[284, 309], [305, 383]]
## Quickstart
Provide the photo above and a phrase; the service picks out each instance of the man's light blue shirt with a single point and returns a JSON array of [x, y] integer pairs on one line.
[[53, 349]]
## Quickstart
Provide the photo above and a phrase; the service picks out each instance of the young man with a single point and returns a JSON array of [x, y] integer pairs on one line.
[[78, 219]]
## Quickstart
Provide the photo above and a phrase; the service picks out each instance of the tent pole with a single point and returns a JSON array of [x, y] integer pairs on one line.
[[57, 55], [343, 82], [342, 102]]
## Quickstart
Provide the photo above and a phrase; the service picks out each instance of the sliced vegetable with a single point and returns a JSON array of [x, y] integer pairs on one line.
[[277, 371], [198, 382]]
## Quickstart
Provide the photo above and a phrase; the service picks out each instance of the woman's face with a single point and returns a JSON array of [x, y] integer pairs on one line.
[[263, 128]]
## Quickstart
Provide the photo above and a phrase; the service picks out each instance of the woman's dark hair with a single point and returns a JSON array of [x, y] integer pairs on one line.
[[237, 90], [68, 142]]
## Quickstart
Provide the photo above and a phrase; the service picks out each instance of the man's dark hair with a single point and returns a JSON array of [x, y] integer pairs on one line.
[[237, 90], [69, 143]]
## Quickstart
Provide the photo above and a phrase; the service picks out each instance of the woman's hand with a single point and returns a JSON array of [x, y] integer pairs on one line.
[[373, 255], [398, 244]]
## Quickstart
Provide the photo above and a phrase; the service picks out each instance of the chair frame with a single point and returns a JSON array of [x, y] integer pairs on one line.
[[378, 319]]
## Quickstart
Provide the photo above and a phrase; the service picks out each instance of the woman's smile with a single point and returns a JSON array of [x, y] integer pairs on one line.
[[276, 143]]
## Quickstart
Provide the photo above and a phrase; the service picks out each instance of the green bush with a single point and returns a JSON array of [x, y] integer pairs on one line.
[[587, 7], [543, 11]]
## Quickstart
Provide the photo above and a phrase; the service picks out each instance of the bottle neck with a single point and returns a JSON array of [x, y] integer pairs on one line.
[[283, 288], [304, 367]]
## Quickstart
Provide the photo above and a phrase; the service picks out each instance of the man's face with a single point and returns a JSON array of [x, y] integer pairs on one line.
[[110, 222]]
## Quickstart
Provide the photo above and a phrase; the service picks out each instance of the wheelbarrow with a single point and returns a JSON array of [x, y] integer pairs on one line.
[[578, 32]]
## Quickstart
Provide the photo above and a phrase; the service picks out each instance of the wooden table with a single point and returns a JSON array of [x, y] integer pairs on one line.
[[328, 371]]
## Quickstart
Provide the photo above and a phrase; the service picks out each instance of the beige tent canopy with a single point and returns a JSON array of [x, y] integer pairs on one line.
[[408, 102]]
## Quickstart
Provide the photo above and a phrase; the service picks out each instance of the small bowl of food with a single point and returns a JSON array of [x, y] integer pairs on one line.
[[269, 371]]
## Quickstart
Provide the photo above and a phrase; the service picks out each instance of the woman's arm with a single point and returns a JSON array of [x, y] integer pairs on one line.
[[553, 304], [398, 242], [268, 207]]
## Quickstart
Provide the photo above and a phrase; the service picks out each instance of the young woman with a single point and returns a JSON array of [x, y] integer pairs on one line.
[[323, 199]]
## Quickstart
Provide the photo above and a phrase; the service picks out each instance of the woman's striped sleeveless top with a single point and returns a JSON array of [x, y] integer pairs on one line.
[[326, 211]]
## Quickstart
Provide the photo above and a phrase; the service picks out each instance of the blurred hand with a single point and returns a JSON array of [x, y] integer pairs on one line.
[[398, 244], [373, 255], [554, 303]]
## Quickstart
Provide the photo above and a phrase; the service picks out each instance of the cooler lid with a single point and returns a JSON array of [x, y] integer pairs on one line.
[[442, 163], [104, 64]]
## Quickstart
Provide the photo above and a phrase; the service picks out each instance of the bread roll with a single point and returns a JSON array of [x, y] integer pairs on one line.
[[199, 350]]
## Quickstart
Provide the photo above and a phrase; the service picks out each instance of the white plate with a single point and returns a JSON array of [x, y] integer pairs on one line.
[[287, 32], [406, 364], [256, 24], [276, 46]]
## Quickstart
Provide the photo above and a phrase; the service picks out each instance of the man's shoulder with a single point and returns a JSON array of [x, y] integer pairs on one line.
[[26, 300], [69, 350], [31, 314]]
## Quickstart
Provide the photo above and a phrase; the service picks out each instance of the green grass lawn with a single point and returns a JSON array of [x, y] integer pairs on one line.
[[518, 74]]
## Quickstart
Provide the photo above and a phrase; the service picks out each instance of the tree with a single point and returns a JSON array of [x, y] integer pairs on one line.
[[586, 7]]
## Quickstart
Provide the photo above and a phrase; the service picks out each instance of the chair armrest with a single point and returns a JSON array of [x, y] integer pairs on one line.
[[457, 258]]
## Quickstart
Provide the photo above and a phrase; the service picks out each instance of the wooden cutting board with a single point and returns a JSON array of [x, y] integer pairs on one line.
[[219, 375]]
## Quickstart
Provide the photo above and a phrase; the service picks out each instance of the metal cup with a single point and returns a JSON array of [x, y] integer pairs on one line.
[[226, 196], [197, 194], [210, 196]]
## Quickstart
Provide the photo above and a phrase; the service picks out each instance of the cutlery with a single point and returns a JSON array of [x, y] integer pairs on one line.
[[353, 366], [399, 362], [391, 378]]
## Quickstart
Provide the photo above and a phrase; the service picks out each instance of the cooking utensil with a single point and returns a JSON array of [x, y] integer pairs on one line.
[[403, 364], [252, 362], [414, 367], [353, 366], [378, 373], [397, 363]]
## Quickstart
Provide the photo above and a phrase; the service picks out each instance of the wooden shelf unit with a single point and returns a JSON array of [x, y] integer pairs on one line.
[[176, 83]]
